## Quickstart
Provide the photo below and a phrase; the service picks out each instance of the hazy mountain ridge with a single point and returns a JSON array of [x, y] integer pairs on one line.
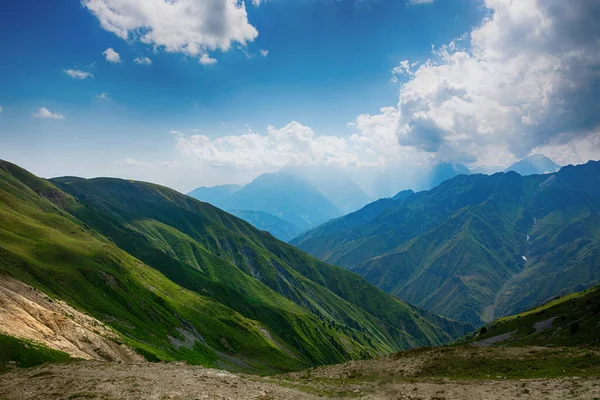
[[462, 249], [293, 204], [265, 193], [278, 227]]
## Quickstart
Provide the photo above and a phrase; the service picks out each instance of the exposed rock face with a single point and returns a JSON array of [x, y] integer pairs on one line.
[[28, 313]]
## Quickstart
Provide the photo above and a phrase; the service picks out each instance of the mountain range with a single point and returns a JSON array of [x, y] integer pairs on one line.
[[300, 198], [176, 279], [476, 247]]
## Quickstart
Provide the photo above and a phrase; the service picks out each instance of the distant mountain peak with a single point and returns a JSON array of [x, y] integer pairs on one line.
[[535, 164], [443, 171]]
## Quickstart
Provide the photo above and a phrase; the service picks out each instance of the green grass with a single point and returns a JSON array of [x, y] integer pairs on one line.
[[26, 354], [575, 320], [475, 364]]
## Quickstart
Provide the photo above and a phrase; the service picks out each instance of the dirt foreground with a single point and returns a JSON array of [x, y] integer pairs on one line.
[[104, 380]]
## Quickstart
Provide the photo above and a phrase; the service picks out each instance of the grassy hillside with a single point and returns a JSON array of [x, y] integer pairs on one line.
[[476, 247], [181, 279], [25, 354], [571, 320]]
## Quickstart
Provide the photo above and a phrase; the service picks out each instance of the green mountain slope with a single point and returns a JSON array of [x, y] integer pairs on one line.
[[476, 247], [25, 354], [280, 228], [181, 279], [570, 320]]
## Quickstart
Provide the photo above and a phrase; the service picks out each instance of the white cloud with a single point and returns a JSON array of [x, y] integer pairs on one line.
[[47, 114], [526, 77], [135, 163], [294, 144], [142, 60], [190, 27], [374, 144], [420, 1], [78, 74], [524, 80], [103, 96], [205, 59], [264, 53], [111, 55], [575, 151]]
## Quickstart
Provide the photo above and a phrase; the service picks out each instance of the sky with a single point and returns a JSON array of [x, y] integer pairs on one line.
[[203, 92]]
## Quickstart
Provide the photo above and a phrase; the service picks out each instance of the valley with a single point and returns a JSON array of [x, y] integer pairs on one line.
[[300, 200], [177, 279]]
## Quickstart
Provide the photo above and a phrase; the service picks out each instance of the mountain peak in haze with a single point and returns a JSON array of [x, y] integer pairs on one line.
[[215, 195], [335, 185], [285, 196], [534, 164], [445, 170]]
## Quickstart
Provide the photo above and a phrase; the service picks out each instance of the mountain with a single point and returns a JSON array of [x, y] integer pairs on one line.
[[534, 164], [476, 247], [280, 228], [570, 320], [285, 196], [404, 194], [443, 171], [215, 195], [177, 279], [335, 185]]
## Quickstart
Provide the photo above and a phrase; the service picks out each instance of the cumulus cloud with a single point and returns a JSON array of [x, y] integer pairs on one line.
[[103, 96], [78, 74], [373, 145], [264, 53], [294, 144], [142, 60], [47, 114], [190, 27], [525, 80], [526, 77], [111, 55], [419, 1], [205, 59]]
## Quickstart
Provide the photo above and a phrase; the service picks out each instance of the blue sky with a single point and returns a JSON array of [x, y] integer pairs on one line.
[[329, 62]]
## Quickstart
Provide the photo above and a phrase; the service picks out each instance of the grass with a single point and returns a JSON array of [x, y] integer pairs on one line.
[[572, 321], [26, 354], [477, 364]]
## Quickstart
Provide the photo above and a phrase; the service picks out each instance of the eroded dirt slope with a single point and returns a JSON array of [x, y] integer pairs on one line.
[[30, 314]]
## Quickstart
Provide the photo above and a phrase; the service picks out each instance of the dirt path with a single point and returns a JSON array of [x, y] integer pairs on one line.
[[98, 380], [102, 380]]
